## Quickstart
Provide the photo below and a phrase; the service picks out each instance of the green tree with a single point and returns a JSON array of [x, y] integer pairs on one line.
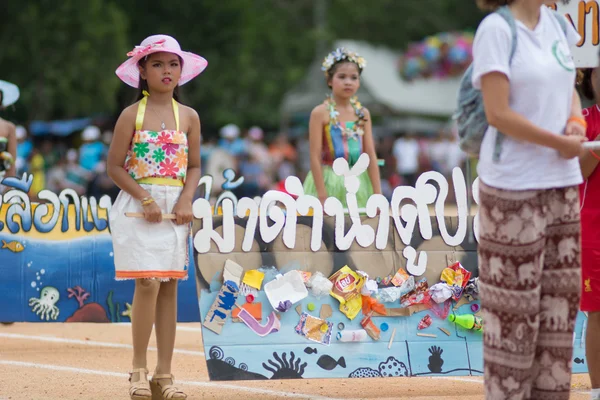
[[256, 50], [395, 23], [62, 55]]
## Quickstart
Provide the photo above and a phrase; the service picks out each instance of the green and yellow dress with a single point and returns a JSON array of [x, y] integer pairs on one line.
[[346, 143]]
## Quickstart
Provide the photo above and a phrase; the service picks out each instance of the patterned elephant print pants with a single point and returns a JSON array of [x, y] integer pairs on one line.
[[529, 277]]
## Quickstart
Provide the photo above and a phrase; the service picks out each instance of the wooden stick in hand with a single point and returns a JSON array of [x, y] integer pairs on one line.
[[141, 215]]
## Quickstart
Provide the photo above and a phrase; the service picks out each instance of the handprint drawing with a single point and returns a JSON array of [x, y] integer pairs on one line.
[[435, 360]]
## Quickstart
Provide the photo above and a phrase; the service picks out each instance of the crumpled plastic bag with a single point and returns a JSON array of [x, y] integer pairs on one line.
[[472, 288], [388, 295], [369, 304], [440, 292], [319, 285], [369, 288], [393, 293], [419, 295]]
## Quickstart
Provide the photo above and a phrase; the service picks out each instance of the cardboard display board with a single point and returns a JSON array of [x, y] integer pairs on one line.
[[584, 15], [56, 263], [314, 338]]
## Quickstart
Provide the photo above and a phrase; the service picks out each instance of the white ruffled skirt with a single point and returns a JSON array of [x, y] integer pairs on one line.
[[149, 250]]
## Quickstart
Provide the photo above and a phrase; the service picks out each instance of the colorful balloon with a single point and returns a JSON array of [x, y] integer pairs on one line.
[[457, 55], [431, 54], [442, 55]]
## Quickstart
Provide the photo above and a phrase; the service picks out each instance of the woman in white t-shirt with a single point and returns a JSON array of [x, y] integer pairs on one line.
[[529, 249]]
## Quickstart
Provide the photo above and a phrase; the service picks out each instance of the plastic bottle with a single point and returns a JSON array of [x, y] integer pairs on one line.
[[467, 321], [352, 336]]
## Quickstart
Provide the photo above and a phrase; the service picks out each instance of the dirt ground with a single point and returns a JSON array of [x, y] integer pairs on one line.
[[90, 361]]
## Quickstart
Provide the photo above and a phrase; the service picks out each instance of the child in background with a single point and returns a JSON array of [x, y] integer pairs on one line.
[[341, 127]]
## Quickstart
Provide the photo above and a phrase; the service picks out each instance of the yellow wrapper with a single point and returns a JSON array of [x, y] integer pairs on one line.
[[346, 284], [448, 276], [352, 307]]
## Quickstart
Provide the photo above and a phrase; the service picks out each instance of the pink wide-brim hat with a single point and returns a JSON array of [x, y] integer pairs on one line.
[[129, 72]]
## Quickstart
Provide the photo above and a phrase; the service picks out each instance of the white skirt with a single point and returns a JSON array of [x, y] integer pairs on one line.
[[149, 250]]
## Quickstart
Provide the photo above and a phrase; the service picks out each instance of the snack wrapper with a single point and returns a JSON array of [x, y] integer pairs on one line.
[[312, 328], [400, 277], [387, 280], [372, 330], [457, 277], [346, 284], [305, 275], [425, 322], [420, 295], [352, 307]]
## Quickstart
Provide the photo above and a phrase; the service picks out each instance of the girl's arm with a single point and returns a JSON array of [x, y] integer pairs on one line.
[[315, 138], [495, 90], [12, 149], [574, 127], [369, 148], [193, 170], [117, 153], [183, 208], [576, 109]]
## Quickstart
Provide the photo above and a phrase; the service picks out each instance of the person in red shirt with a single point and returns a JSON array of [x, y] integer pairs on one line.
[[589, 194]]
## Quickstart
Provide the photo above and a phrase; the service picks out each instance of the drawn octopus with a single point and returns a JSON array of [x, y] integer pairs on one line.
[[45, 306]]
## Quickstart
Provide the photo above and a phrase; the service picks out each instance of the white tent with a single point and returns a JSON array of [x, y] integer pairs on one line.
[[382, 88]]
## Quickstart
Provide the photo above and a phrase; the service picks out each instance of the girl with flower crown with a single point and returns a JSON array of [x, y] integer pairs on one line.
[[341, 127], [154, 158]]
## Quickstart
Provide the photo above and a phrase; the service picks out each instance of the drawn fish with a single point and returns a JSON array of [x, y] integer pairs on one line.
[[579, 360], [13, 246], [310, 350], [329, 363]]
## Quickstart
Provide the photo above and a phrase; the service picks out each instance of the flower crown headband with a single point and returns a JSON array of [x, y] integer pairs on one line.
[[342, 54]]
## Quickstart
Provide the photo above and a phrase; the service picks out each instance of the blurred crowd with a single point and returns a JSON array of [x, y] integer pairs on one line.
[[56, 164], [264, 160]]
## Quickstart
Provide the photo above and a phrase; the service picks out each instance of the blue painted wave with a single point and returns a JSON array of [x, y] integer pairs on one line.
[[85, 262]]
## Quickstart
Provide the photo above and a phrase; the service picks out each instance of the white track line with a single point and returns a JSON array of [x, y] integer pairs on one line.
[[475, 380], [179, 328], [219, 385], [459, 379], [91, 343]]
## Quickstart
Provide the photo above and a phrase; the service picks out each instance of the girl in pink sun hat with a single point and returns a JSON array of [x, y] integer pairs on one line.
[[154, 158], [192, 64]]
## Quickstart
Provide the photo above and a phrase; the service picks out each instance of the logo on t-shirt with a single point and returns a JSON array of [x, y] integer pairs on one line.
[[563, 55], [588, 285]]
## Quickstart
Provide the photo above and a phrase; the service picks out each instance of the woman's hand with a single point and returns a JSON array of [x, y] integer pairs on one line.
[[575, 128], [183, 212], [152, 213], [571, 146]]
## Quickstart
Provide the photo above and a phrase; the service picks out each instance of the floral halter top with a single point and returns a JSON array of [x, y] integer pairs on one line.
[[347, 141], [155, 154]]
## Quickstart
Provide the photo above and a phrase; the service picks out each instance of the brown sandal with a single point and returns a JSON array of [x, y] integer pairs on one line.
[[166, 392], [140, 389]]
